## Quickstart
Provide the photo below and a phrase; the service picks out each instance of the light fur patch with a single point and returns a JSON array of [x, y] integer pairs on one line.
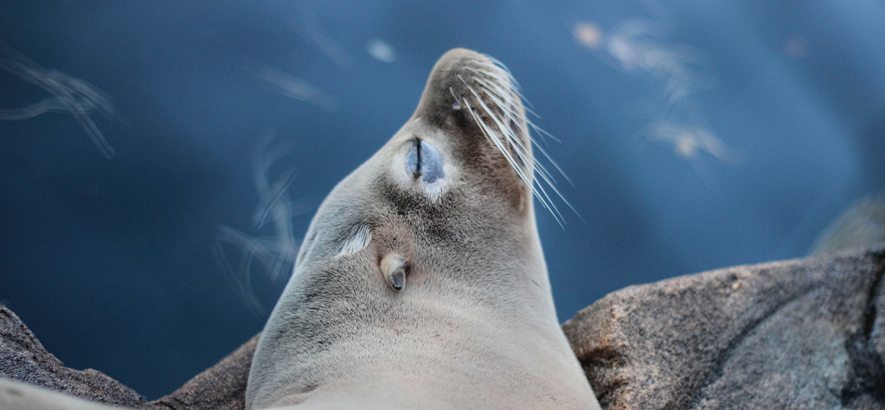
[[360, 236]]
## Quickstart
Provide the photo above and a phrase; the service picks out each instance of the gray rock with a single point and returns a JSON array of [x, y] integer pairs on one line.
[[23, 358], [804, 333], [784, 335]]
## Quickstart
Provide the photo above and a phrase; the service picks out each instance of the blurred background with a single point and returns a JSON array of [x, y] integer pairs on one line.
[[159, 161]]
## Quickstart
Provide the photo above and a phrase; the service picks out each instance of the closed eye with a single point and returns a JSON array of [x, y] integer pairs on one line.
[[424, 161]]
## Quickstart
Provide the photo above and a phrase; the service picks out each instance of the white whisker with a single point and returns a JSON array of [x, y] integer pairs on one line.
[[498, 110], [497, 141]]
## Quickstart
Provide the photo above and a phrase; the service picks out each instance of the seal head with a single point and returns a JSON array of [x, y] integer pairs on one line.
[[421, 282]]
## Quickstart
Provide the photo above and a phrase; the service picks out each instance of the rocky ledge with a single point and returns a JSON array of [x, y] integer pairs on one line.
[[805, 333], [802, 333]]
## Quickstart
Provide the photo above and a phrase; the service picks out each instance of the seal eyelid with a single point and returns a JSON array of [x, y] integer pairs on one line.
[[413, 160], [424, 161], [359, 238]]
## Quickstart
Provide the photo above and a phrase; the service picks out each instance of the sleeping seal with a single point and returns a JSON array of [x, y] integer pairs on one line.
[[421, 283]]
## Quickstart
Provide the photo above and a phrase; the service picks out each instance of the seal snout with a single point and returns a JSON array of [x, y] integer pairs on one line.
[[482, 91]]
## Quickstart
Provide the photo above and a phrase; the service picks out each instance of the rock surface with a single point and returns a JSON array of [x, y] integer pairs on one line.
[[795, 334], [806, 333], [23, 358]]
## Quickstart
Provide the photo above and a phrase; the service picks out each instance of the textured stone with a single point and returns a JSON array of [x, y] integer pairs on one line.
[[794, 334], [804, 333], [23, 358]]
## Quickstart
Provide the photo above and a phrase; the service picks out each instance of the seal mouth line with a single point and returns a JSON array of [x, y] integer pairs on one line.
[[497, 141], [505, 94], [498, 84], [507, 108]]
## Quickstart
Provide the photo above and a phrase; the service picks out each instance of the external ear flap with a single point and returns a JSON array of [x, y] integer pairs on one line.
[[393, 267]]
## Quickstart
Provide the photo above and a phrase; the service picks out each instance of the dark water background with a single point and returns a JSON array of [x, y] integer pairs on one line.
[[697, 135]]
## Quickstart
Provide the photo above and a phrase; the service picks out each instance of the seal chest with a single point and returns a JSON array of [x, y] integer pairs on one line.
[[421, 282]]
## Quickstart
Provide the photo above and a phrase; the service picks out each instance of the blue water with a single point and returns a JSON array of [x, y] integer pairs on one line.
[[696, 135]]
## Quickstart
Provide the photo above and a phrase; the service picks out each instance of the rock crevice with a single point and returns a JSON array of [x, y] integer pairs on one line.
[[866, 378]]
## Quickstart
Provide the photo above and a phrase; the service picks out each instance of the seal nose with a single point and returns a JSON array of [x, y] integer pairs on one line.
[[446, 86]]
